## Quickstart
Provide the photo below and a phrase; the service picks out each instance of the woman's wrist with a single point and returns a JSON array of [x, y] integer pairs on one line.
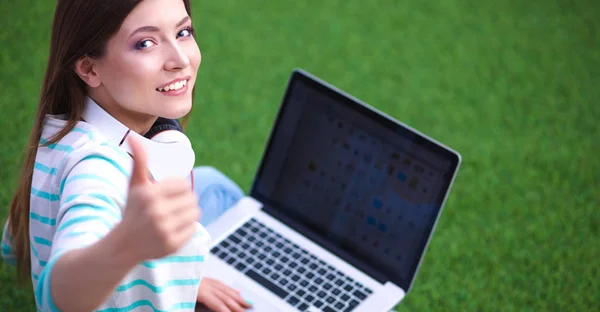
[[121, 251]]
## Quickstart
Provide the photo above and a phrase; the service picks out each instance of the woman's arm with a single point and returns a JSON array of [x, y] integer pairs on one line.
[[83, 279], [88, 258], [6, 250], [95, 245]]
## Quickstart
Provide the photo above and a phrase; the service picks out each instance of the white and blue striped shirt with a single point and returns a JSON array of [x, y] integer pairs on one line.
[[78, 192]]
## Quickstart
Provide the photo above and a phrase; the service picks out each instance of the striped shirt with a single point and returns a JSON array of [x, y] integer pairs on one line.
[[78, 193]]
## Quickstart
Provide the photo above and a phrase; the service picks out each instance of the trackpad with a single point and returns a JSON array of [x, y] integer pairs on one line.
[[258, 303]]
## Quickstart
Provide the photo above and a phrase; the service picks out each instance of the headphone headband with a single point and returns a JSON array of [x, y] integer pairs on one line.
[[170, 152]]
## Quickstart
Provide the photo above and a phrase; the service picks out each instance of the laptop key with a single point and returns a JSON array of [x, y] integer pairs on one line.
[[292, 287], [318, 303], [336, 291], [330, 299], [329, 309], [293, 301], [282, 293], [234, 239], [339, 306], [240, 266], [318, 281], [309, 298], [345, 297], [348, 288], [353, 304], [301, 292], [303, 307], [358, 294], [230, 260], [321, 294]]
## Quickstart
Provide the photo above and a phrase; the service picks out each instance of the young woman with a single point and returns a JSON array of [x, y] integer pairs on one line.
[[87, 223]]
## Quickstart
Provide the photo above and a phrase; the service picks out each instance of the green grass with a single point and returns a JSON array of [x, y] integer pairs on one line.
[[512, 85]]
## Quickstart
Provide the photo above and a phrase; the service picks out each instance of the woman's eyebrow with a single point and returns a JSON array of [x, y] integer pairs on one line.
[[155, 29]]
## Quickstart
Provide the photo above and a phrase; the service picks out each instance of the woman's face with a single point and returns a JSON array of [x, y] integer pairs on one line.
[[150, 65]]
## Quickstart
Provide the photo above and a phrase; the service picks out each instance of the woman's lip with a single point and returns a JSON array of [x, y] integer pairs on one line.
[[181, 91], [174, 81]]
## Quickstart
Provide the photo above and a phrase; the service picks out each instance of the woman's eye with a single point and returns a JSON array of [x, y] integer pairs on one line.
[[186, 32], [144, 44]]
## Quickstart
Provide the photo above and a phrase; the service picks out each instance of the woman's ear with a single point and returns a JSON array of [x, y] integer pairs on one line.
[[86, 70]]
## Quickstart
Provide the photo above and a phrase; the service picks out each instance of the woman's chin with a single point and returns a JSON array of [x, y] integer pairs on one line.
[[176, 112]]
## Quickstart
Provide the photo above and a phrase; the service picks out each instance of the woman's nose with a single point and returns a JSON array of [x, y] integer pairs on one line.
[[176, 58]]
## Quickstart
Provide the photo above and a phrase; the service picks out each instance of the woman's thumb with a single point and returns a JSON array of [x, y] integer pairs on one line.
[[139, 174]]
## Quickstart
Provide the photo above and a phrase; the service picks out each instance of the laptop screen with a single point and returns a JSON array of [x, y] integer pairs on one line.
[[364, 186]]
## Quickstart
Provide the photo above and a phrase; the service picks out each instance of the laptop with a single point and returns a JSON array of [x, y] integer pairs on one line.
[[341, 209]]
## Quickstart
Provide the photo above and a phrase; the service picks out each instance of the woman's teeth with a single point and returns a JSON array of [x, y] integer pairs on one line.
[[174, 86]]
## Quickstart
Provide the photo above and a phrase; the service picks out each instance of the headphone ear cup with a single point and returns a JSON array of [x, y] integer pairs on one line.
[[163, 124]]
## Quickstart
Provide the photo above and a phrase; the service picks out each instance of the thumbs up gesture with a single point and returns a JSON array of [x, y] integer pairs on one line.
[[160, 217]]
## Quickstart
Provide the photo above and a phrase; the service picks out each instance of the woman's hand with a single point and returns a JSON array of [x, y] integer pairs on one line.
[[220, 298], [159, 217]]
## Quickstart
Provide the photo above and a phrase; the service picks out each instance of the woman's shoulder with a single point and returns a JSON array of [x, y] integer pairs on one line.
[[83, 142]]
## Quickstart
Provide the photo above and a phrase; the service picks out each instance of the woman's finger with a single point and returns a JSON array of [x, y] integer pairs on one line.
[[231, 303], [212, 301], [233, 293]]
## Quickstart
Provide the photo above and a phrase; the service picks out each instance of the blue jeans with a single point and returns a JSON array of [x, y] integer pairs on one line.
[[216, 193]]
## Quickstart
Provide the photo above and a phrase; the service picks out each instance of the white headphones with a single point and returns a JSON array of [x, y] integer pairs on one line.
[[169, 150]]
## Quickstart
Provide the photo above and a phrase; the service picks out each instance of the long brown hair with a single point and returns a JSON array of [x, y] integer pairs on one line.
[[80, 28]]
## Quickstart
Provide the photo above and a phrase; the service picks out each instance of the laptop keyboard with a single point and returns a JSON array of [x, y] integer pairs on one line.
[[289, 271]]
